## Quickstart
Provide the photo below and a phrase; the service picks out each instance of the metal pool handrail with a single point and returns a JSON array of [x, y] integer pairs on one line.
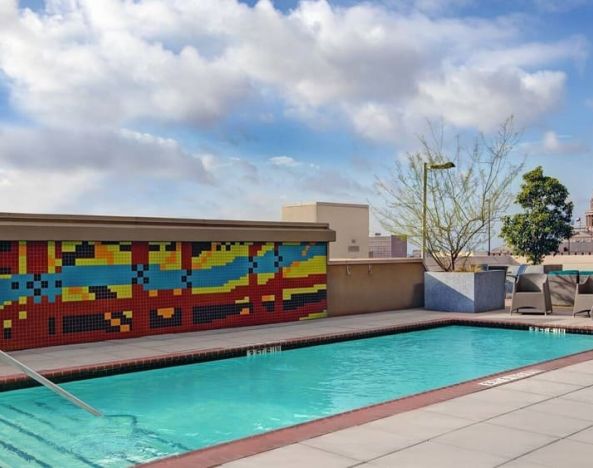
[[47, 383]]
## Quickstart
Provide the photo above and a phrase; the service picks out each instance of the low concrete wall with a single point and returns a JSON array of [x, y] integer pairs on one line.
[[572, 262], [373, 285], [568, 262]]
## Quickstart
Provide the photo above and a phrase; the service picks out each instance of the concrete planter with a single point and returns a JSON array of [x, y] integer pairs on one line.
[[464, 292]]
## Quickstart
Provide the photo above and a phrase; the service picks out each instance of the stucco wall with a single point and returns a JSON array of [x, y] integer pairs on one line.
[[300, 213], [373, 285]]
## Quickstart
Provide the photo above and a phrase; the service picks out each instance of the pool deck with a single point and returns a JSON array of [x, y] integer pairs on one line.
[[542, 420]]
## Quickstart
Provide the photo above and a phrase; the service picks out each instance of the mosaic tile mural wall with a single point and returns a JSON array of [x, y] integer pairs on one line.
[[68, 292]]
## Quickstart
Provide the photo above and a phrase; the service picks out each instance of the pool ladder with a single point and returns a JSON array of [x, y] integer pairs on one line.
[[48, 383]]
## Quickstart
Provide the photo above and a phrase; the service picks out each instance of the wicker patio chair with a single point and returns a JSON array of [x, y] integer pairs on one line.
[[583, 299], [531, 291]]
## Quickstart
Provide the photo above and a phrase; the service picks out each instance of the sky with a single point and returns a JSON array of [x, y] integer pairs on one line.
[[229, 109]]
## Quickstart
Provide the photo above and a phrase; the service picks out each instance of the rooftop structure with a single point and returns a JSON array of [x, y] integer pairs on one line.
[[350, 221]]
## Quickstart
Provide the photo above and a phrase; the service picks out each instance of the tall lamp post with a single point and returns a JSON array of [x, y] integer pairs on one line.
[[429, 167], [489, 204]]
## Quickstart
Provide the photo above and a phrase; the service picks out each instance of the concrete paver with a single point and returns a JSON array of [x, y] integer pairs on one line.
[[294, 456], [432, 454], [521, 463], [563, 407], [541, 387], [564, 453], [496, 440], [541, 423], [420, 423], [565, 376], [585, 395], [584, 435], [361, 442], [486, 404]]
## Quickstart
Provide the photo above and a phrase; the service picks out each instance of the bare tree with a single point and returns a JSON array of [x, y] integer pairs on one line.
[[460, 201]]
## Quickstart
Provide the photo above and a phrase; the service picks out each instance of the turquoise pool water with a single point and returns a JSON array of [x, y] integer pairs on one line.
[[162, 412]]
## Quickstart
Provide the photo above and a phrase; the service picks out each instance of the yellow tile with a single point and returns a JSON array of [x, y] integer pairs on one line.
[[123, 291], [22, 315], [315, 315], [263, 278], [7, 323]]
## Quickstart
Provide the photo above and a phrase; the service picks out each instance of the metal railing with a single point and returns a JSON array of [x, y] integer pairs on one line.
[[48, 383]]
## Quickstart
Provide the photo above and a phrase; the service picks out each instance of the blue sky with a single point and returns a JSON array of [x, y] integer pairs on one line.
[[227, 109]]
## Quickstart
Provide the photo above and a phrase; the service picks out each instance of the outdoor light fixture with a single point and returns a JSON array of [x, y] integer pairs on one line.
[[447, 165], [429, 167]]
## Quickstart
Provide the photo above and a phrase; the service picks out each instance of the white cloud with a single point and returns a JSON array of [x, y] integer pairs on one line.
[[111, 63], [30, 190], [553, 144], [89, 62], [481, 99], [284, 161], [101, 151]]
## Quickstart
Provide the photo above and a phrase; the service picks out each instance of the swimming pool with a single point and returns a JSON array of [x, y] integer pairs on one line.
[[162, 412]]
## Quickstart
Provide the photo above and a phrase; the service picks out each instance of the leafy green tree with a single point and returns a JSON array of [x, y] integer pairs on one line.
[[545, 221]]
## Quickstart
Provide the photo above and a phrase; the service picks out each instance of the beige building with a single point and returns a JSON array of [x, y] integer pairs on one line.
[[350, 221]]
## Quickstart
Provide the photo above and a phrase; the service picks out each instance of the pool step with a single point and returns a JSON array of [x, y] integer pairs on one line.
[[129, 444], [12, 456], [38, 447]]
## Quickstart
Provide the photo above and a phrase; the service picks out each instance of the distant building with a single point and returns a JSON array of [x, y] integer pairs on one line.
[[388, 246], [581, 243], [589, 217], [349, 220], [502, 250]]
